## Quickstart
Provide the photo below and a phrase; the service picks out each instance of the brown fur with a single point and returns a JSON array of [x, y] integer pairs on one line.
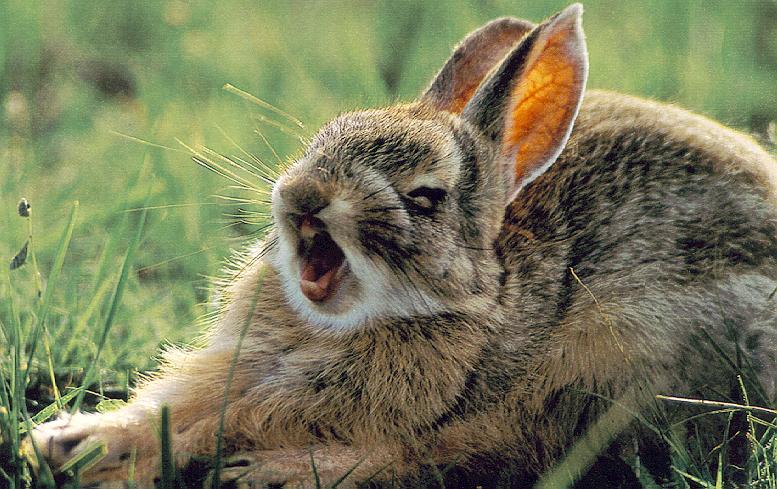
[[522, 317]]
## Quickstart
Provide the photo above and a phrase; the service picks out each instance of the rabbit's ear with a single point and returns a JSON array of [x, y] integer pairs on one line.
[[528, 104], [471, 61]]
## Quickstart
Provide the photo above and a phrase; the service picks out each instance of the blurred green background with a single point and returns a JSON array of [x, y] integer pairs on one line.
[[74, 74]]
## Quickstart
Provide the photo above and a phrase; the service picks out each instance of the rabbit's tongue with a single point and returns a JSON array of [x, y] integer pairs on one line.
[[317, 289], [319, 268]]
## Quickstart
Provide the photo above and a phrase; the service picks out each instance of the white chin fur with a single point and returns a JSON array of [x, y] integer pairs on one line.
[[383, 296]]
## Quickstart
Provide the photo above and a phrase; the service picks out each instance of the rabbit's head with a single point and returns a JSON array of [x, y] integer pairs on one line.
[[394, 212]]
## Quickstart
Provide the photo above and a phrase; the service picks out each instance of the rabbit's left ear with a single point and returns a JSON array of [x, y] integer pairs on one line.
[[471, 61], [528, 105]]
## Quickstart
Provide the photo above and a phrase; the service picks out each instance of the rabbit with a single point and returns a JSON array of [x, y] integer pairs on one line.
[[472, 279]]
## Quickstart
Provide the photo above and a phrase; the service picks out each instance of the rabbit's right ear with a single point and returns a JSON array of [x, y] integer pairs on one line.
[[529, 103], [471, 61]]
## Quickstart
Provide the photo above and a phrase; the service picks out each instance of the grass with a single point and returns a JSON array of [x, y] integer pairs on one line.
[[94, 97]]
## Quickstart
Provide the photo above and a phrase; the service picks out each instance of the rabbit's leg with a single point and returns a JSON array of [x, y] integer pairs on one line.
[[193, 388], [331, 464]]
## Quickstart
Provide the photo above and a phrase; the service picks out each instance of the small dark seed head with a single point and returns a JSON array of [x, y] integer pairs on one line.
[[24, 208], [20, 257]]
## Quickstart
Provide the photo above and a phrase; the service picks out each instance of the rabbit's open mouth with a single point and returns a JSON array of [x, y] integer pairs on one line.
[[322, 266]]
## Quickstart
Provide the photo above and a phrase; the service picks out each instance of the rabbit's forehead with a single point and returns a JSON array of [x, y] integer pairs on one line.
[[397, 147]]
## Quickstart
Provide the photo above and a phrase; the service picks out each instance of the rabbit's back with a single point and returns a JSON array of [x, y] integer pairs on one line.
[[696, 193], [653, 225]]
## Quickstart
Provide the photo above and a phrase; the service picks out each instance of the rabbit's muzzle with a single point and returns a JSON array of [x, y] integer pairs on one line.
[[304, 196], [321, 264], [321, 259]]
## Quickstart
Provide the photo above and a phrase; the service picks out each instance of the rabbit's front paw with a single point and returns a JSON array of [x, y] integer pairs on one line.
[[126, 440], [263, 469], [324, 467]]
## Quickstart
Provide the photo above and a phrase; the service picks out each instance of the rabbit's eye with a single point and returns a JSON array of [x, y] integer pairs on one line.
[[426, 199]]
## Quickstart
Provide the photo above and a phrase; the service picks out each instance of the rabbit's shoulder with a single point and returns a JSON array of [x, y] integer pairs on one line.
[[665, 132], [644, 189]]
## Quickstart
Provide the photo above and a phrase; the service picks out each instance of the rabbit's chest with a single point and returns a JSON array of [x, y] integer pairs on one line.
[[351, 389]]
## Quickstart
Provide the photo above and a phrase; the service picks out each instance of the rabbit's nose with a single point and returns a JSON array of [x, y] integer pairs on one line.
[[308, 225], [303, 198], [304, 195]]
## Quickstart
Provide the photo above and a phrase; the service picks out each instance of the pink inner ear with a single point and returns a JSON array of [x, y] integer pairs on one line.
[[546, 99]]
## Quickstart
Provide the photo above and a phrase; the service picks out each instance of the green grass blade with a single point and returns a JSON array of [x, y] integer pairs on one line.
[[14, 391], [85, 459], [51, 285], [6, 477], [131, 470], [646, 480], [316, 478], [50, 410], [585, 450], [45, 476], [354, 467], [439, 479], [168, 464], [83, 319], [375, 473], [692, 478], [216, 480], [261, 103], [7, 436], [115, 302]]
